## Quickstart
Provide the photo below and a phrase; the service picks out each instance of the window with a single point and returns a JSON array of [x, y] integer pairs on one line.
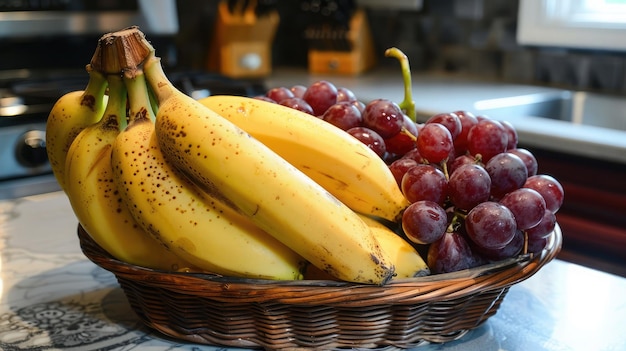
[[590, 24]]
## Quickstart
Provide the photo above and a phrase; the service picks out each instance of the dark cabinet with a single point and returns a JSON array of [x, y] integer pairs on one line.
[[593, 215]]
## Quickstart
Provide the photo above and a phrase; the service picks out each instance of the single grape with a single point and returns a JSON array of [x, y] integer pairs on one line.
[[320, 96], [545, 226], [450, 253], [487, 138], [468, 186], [402, 142], [400, 166], [459, 161], [529, 160], [434, 142], [450, 120], [511, 132], [536, 245], [298, 90], [527, 205], [424, 182], [359, 105], [279, 94], [384, 117], [415, 155], [549, 188], [490, 225], [468, 120], [264, 98], [370, 138], [424, 222], [507, 171], [511, 249], [297, 104], [343, 115], [345, 94]]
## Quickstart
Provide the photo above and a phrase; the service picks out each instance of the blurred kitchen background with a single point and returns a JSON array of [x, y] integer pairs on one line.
[[207, 48], [468, 37]]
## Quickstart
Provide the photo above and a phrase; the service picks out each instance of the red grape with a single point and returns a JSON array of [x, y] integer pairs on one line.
[[297, 104], [536, 244], [527, 206], [459, 161], [468, 186], [264, 98], [468, 120], [507, 171], [450, 253], [320, 96], [424, 222], [359, 105], [415, 155], [345, 94], [511, 133], [384, 117], [490, 225], [511, 249], [487, 138], [450, 120], [424, 182], [549, 188], [298, 90], [370, 138], [529, 160], [545, 226], [402, 143], [434, 142], [343, 115], [279, 94], [400, 166]]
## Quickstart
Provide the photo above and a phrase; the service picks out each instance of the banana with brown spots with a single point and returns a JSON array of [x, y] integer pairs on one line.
[[70, 114], [222, 158], [408, 262], [340, 163], [197, 226], [94, 196]]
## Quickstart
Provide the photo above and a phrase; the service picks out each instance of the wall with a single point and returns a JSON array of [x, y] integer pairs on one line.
[[469, 37]]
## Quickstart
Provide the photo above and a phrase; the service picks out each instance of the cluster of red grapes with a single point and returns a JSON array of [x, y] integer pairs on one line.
[[474, 195]]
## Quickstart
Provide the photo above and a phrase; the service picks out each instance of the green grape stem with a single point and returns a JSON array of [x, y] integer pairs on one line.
[[407, 105]]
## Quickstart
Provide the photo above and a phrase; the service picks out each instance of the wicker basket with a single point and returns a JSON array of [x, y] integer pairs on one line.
[[316, 314]]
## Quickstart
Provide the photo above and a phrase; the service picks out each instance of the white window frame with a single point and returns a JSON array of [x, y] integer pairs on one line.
[[567, 23]]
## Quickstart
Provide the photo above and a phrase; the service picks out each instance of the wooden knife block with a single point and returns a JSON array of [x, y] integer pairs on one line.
[[241, 46], [360, 58]]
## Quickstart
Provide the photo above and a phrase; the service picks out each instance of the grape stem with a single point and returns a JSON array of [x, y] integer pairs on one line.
[[407, 105]]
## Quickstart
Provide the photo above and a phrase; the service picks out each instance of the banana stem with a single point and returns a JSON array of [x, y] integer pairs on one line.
[[407, 105], [138, 97], [115, 112], [158, 81], [95, 90]]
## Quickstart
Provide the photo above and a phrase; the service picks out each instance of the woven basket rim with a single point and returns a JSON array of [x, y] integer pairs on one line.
[[102, 258], [321, 314]]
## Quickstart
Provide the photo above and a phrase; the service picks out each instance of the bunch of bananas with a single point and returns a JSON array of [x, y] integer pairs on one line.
[[230, 185]]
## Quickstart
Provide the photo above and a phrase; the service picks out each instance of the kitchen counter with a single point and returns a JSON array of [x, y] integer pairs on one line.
[[436, 93], [53, 297]]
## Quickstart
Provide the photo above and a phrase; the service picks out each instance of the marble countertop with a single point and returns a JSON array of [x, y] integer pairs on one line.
[[436, 93], [54, 298]]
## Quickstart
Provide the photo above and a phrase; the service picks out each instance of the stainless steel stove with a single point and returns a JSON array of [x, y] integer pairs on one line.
[[33, 77]]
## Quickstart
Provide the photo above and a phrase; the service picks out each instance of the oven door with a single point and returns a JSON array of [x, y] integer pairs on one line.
[[33, 76]]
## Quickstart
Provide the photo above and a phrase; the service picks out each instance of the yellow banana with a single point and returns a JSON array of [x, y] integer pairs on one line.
[[95, 199], [223, 159], [406, 259], [70, 114], [344, 166], [196, 226]]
